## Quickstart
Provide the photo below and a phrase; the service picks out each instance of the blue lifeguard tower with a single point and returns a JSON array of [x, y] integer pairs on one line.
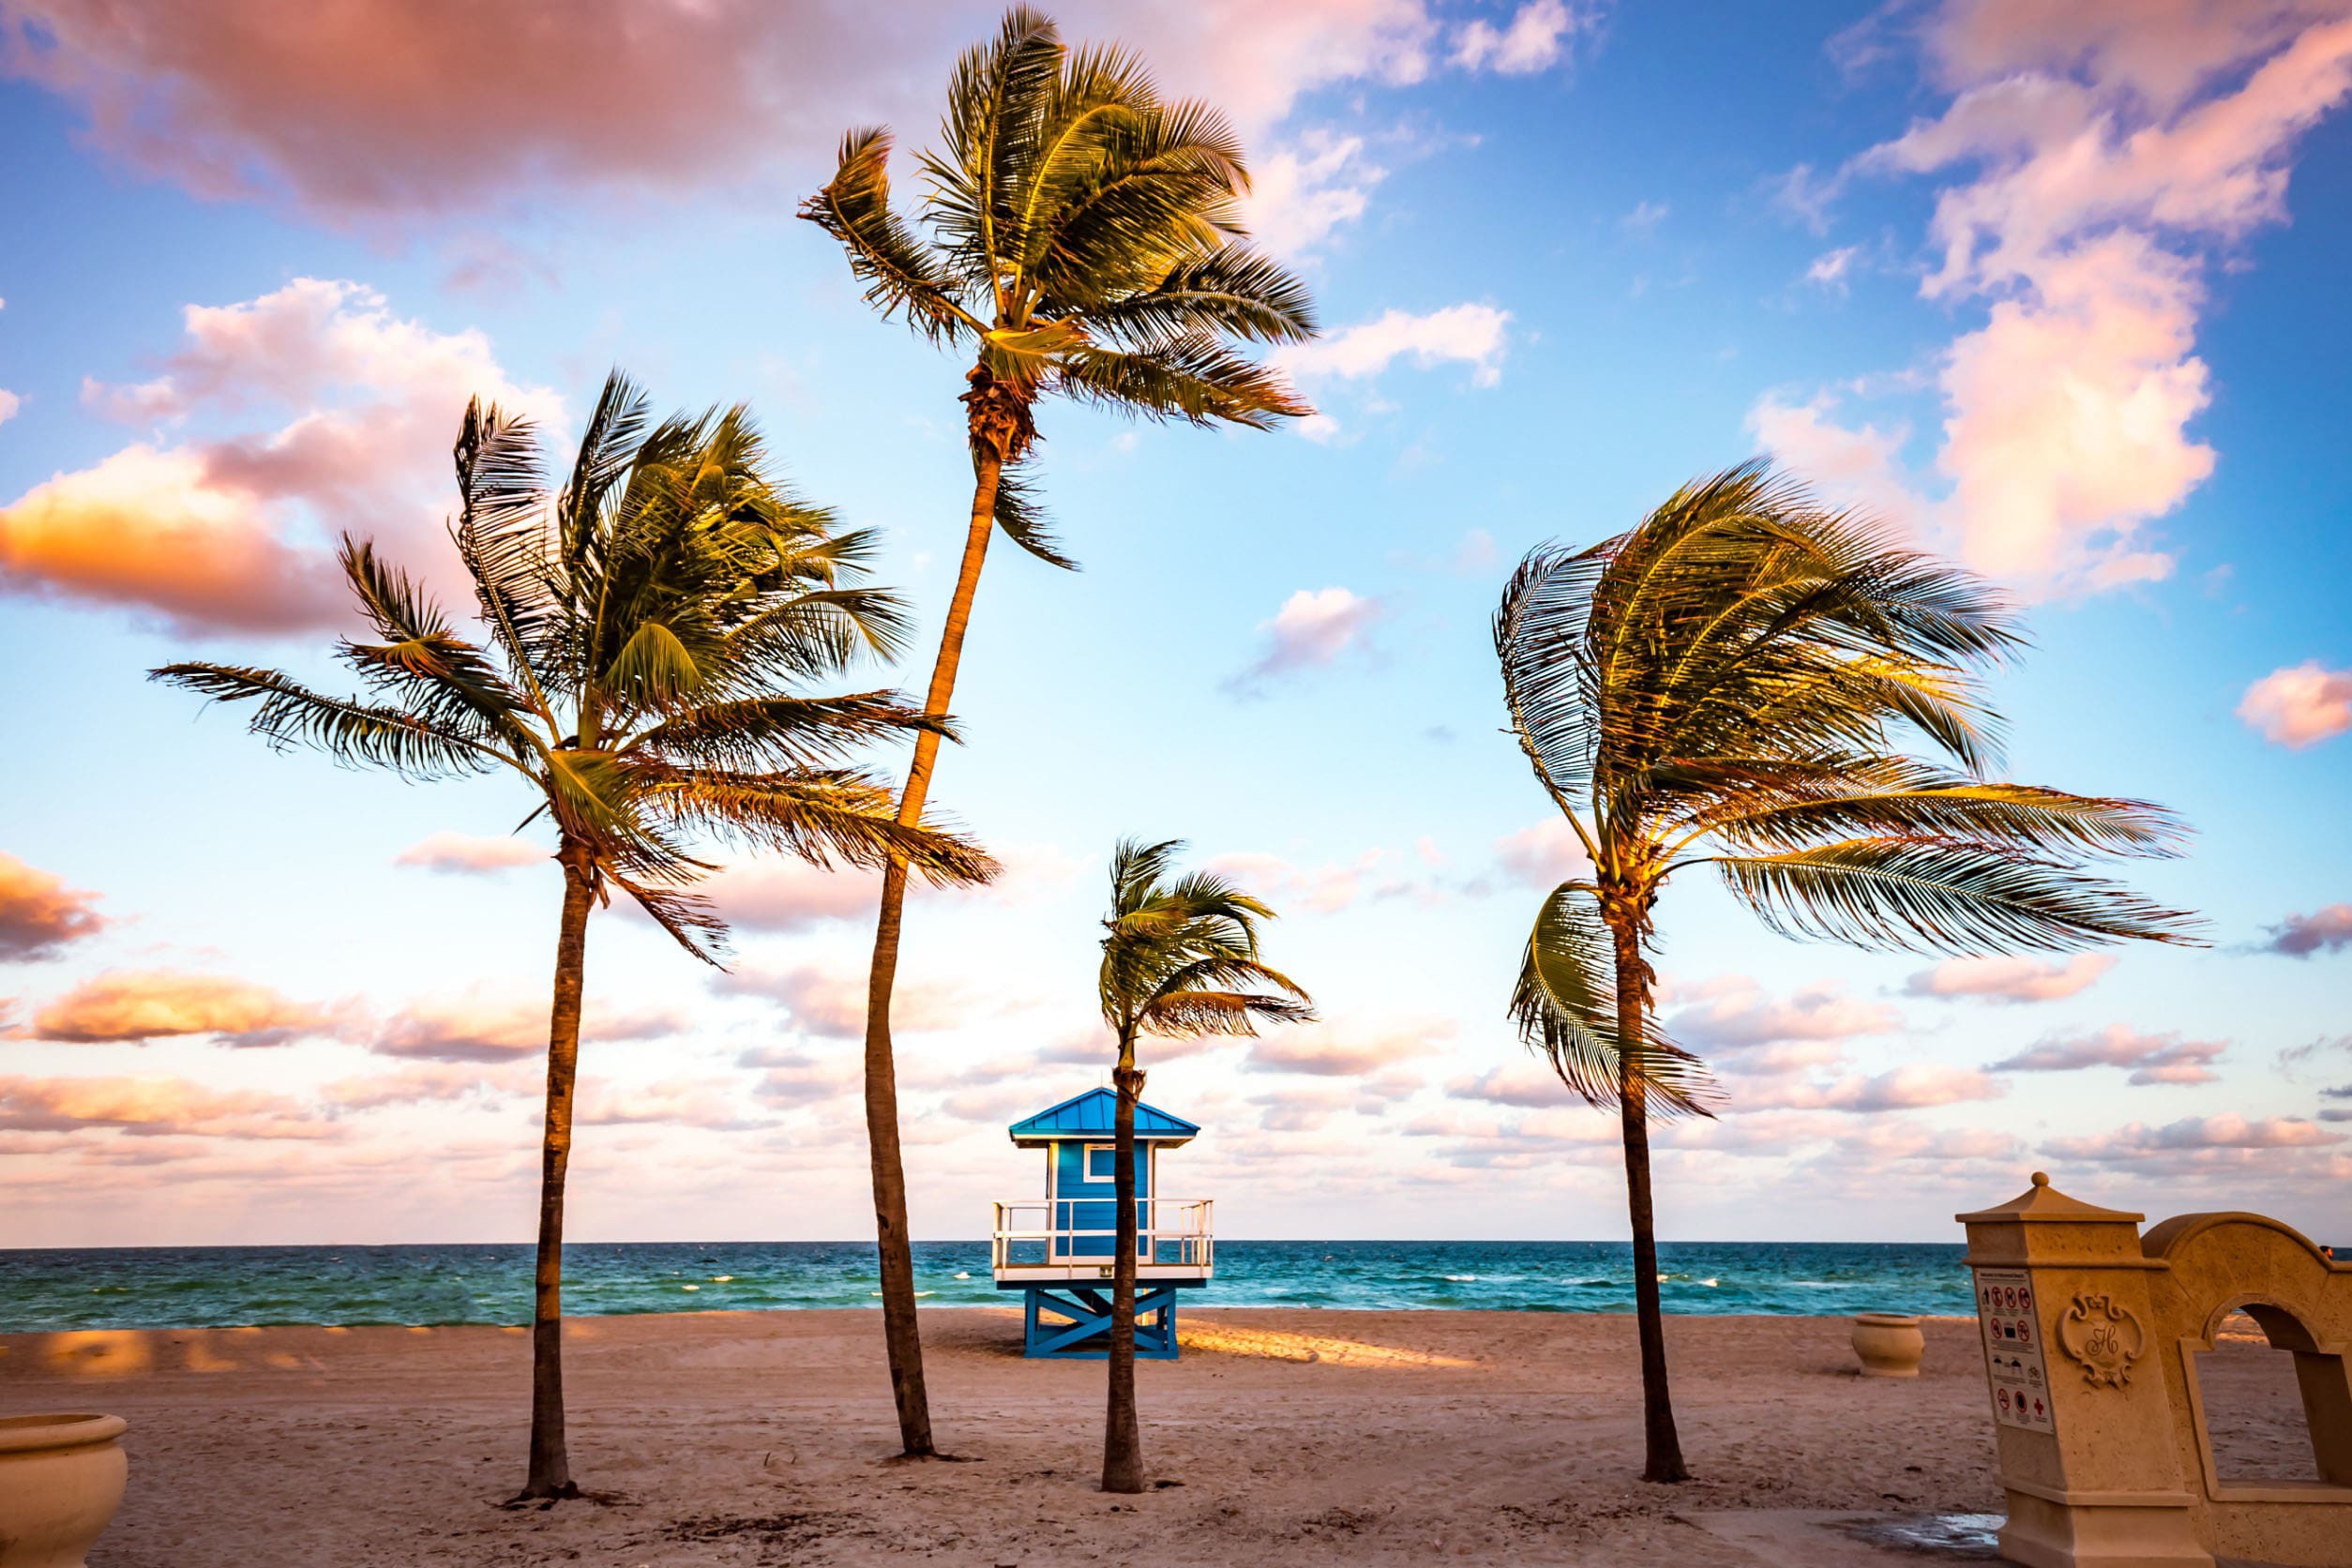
[[1059, 1249]]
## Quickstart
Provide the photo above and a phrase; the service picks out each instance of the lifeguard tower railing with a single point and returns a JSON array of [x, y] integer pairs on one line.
[[1046, 1239]]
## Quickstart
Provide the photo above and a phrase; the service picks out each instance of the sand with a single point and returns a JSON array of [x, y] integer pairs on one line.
[[1280, 1437]]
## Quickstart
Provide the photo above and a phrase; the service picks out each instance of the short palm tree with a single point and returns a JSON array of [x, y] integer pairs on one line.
[[645, 627], [1731, 684], [1179, 959], [1084, 241]]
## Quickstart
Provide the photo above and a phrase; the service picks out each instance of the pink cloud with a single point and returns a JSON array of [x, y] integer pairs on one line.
[[464, 855], [1313, 630], [682, 1105], [420, 1082], [2193, 1134], [143, 1005], [151, 1106], [2011, 979], [2326, 931], [1325, 1051], [831, 1004], [2300, 705], [2097, 157], [219, 533], [2153, 1058], [1914, 1086], [479, 1027], [390, 109], [1733, 1013], [1531, 1085], [39, 915], [1543, 856]]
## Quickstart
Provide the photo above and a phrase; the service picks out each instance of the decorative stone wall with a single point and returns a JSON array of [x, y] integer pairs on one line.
[[2091, 1334]]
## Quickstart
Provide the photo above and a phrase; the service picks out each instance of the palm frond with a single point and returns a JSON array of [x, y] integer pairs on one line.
[[771, 733], [822, 816], [899, 271], [1564, 1003], [1024, 520], [1943, 895], [287, 713], [1195, 378]]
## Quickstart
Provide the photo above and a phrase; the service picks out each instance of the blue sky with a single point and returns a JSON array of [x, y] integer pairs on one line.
[[2060, 294]]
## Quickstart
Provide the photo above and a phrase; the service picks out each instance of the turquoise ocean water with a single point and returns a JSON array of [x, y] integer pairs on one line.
[[43, 1290]]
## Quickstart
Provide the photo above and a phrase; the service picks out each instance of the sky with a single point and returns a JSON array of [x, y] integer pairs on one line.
[[2058, 291]]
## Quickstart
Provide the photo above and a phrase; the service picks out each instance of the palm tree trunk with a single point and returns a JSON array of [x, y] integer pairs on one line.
[[1663, 1445], [550, 1474], [900, 1335], [1122, 1439]]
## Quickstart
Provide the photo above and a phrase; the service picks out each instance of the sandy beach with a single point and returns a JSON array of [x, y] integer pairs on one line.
[[1281, 1436]]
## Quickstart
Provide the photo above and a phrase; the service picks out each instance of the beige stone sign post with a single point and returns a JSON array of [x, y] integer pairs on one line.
[[2090, 1335]]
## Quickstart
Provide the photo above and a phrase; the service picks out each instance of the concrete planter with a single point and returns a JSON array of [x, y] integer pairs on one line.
[[1889, 1344], [61, 1477]]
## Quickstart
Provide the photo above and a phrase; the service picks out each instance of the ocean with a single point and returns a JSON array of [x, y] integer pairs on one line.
[[111, 1288]]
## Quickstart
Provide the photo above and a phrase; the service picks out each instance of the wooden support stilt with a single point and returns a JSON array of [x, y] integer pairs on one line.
[[1084, 1332]]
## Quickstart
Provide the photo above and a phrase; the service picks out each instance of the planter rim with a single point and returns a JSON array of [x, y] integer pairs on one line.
[[31, 1434], [1887, 1319]]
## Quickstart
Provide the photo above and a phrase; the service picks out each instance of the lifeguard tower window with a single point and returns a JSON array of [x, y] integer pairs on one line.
[[2257, 1417], [1102, 1162]]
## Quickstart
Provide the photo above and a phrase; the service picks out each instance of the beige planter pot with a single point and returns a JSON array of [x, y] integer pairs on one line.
[[1889, 1344], [61, 1477]]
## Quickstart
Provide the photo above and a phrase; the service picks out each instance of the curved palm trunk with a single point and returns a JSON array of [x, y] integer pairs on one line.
[[1663, 1445], [550, 1474], [1122, 1439], [901, 1336]]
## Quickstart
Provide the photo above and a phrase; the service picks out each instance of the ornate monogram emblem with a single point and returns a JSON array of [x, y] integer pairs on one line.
[[2104, 1337]]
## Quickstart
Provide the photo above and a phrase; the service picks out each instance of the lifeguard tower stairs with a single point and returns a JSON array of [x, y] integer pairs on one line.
[[1059, 1249]]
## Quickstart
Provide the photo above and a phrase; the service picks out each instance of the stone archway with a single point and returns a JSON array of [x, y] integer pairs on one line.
[[2118, 1470]]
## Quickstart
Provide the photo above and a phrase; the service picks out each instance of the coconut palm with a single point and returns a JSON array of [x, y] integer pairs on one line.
[[645, 625], [1083, 241], [1180, 960], [1731, 684]]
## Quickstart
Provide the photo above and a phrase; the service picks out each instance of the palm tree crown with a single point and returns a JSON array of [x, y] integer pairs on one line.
[[643, 624], [1180, 955], [1085, 239], [1726, 686]]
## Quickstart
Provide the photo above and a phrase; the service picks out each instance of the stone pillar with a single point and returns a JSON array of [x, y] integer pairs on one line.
[[2082, 1416]]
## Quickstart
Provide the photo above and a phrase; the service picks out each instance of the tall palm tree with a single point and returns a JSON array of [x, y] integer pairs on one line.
[[1084, 241], [1731, 684], [644, 626], [1179, 959]]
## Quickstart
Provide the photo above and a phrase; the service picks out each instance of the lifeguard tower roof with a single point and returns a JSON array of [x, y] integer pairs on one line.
[[1090, 1116]]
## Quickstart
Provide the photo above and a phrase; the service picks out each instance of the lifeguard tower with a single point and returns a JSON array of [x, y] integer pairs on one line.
[[1060, 1249]]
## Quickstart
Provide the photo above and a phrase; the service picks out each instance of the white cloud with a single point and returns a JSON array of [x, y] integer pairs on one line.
[[1301, 192], [10, 403], [1473, 334], [1535, 38], [2300, 705], [1831, 269]]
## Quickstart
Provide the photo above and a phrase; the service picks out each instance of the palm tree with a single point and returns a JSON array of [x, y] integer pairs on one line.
[[1726, 684], [1084, 241], [1180, 960], [644, 623]]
